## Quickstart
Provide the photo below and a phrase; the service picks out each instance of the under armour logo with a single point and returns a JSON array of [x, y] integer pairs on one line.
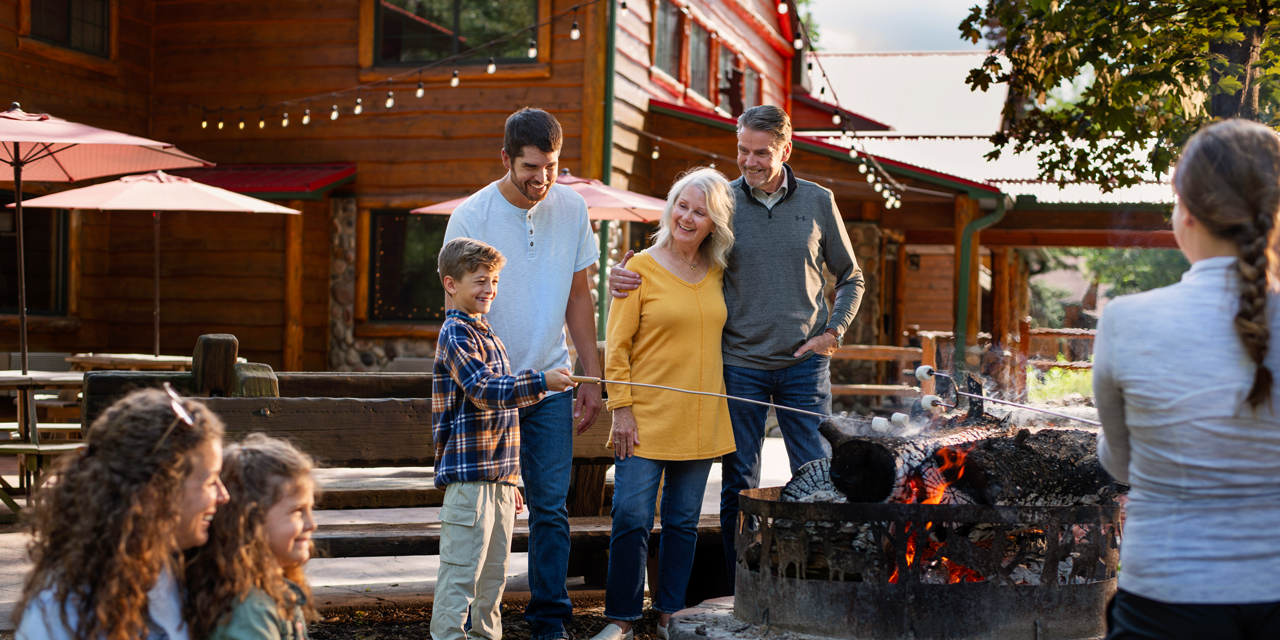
[[800, 218]]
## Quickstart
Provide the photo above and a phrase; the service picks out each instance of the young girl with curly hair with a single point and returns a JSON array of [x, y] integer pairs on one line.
[[248, 582], [109, 529]]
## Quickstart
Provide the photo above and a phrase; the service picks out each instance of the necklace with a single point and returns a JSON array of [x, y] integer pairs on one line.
[[693, 266]]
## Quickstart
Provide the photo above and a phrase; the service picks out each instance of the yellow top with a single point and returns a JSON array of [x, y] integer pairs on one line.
[[667, 332]]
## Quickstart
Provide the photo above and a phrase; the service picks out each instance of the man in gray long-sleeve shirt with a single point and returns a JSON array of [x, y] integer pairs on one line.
[[779, 335]]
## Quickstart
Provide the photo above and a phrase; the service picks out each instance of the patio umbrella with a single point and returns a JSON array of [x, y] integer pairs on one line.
[[603, 202], [156, 192], [47, 149]]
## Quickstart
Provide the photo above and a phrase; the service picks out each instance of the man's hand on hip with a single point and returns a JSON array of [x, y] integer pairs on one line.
[[620, 280], [823, 344], [586, 407]]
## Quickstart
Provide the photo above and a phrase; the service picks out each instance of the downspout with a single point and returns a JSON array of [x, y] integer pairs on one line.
[[606, 174], [966, 264]]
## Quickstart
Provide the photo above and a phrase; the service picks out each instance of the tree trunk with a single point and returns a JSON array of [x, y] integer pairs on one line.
[[1245, 53]]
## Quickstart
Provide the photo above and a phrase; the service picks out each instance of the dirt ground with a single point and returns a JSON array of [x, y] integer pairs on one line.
[[414, 623]]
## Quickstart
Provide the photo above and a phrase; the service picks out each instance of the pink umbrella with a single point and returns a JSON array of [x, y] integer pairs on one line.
[[603, 202], [50, 149], [156, 192]]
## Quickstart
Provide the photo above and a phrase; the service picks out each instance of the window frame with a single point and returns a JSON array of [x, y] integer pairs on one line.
[[748, 83], [33, 44], [678, 52], [702, 86], [373, 71], [370, 266], [66, 228]]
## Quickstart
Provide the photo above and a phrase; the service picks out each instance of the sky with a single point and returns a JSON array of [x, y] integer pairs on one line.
[[891, 25]]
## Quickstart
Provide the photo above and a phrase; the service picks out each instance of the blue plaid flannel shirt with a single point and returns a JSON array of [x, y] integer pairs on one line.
[[474, 401]]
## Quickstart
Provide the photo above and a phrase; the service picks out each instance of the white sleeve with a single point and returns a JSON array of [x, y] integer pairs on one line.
[[588, 246], [41, 621], [1113, 439]]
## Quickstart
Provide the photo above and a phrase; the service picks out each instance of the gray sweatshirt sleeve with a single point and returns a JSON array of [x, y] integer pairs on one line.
[[837, 253], [1113, 439]]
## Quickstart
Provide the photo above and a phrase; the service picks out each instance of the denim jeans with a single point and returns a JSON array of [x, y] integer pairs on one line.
[[546, 463], [804, 385], [635, 482]]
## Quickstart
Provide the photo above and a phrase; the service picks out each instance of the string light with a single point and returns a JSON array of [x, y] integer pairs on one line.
[[285, 121], [853, 153], [862, 168], [809, 65], [333, 114], [391, 100], [262, 122], [359, 107], [835, 117], [655, 153], [421, 90], [622, 11], [453, 82], [533, 49], [306, 116], [711, 166], [574, 33], [204, 119], [783, 8], [798, 43], [871, 178], [242, 122], [492, 67], [878, 187], [219, 124]]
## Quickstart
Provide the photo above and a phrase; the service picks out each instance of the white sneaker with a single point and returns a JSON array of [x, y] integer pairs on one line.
[[613, 632], [662, 632]]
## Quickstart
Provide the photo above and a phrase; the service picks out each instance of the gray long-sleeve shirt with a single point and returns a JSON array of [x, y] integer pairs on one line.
[[1170, 378], [774, 288]]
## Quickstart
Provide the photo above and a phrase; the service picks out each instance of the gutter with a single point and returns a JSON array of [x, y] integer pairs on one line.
[[967, 254], [606, 171]]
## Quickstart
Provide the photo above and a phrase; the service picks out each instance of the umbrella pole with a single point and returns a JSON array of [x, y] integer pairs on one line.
[[156, 349], [22, 271]]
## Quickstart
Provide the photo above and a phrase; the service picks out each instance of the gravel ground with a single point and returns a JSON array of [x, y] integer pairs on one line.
[[414, 623]]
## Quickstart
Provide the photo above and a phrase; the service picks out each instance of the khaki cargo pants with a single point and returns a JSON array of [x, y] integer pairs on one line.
[[475, 545]]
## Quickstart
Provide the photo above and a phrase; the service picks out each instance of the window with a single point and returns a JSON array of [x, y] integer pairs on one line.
[[405, 285], [82, 25], [730, 91], [416, 31], [750, 88], [667, 38], [700, 60], [45, 232]]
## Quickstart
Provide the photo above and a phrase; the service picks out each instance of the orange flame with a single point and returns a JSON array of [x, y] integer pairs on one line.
[[951, 459]]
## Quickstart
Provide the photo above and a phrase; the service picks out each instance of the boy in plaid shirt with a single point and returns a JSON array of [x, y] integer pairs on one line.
[[475, 425]]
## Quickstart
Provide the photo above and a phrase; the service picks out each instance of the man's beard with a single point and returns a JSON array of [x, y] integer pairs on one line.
[[521, 187]]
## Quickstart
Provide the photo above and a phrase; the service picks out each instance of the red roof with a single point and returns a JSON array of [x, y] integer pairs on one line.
[[299, 179], [810, 114]]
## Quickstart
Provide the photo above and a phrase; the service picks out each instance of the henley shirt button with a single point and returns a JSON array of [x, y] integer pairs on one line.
[[531, 244]]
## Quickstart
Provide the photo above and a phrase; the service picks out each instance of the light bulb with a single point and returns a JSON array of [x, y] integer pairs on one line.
[[241, 123], [871, 178], [835, 118], [822, 91], [574, 33], [284, 122], [453, 82], [711, 166], [622, 10], [888, 195], [420, 91], [219, 124], [359, 106], [853, 153], [783, 8], [809, 66], [897, 204], [204, 123], [878, 187], [262, 122], [798, 43], [655, 154], [333, 115], [862, 168], [306, 116], [391, 100], [533, 49], [888, 204], [492, 67]]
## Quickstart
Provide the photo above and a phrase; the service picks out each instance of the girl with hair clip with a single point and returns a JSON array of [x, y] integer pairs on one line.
[[248, 581], [1183, 378], [108, 530]]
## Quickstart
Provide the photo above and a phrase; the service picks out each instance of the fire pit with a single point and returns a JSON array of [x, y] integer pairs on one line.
[[852, 570]]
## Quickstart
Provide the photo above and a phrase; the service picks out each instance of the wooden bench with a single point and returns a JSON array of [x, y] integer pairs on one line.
[[37, 457]]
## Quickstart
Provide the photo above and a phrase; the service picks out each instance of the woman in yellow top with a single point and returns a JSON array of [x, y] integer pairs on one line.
[[667, 333]]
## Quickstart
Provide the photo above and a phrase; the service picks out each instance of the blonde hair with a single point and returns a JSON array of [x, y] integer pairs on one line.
[[461, 256], [1229, 179], [715, 187], [104, 527], [258, 473]]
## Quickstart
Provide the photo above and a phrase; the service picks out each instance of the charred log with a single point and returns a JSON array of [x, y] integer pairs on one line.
[[1049, 468]]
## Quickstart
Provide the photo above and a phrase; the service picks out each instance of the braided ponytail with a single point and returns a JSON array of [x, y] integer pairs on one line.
[[1229, 180]]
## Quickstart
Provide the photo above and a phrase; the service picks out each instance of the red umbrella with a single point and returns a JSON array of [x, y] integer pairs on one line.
[[50, 149], [603, 202], [156, 192]]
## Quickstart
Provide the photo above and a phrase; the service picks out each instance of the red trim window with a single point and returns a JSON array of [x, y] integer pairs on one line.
[[700, 60], [750, 88], [729, 92], [668, 38]]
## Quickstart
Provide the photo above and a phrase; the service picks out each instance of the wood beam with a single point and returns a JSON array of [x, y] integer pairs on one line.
[[362, 265], [293, 333], [967, 211], [1060, 238], [595, 65]]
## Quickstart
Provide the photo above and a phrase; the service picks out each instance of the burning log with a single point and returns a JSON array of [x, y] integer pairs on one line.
[[1050, 468]]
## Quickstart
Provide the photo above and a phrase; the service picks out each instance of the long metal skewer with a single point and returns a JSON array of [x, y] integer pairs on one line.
[[590, 380], [1023, 406]]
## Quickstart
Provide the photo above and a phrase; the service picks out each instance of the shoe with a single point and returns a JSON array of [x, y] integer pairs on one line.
[[614, 632], [662, 632]]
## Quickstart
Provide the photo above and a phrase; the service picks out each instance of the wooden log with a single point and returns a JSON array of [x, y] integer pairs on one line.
[[101, 388], [1053, 467], [214, 364], [888, 469], [354, 385]]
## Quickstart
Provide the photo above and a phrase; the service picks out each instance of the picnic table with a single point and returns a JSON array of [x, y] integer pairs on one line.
[[128, 362], [36, 455]]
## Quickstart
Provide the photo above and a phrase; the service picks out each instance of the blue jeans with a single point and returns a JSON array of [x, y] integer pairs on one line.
[[546, 463], [635, 482], [804, 385]]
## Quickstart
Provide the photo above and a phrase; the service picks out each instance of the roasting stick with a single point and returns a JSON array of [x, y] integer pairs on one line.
[[590, 380], [930, 402]]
